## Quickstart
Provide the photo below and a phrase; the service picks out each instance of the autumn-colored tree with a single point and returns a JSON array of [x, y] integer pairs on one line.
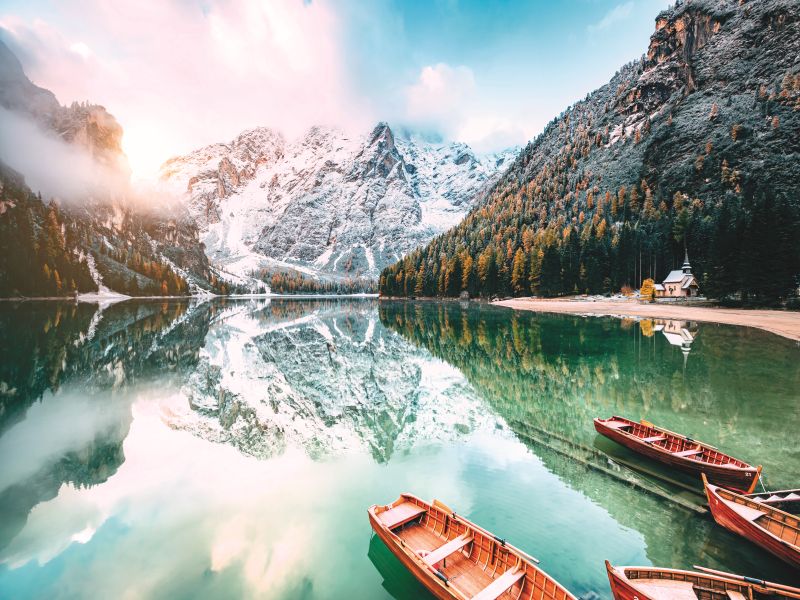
[[648, 290], [634, 199], [518, 280], [419, 284], [467, 272]]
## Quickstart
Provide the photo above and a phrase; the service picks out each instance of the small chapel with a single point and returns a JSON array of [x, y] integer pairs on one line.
[[680, 283]]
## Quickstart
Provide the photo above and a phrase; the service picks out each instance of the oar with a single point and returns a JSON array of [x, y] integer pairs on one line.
[[761, 582]]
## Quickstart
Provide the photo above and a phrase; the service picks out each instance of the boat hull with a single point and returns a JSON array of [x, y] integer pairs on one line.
[[455, 558], [666, 583], [731, 520], [621, 589], [438, 589], [730, 477]]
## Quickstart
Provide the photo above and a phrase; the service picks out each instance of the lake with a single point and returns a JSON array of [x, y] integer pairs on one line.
[[230, 448]]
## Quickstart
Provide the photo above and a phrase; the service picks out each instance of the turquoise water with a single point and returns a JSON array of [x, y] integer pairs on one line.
[[230, 449]]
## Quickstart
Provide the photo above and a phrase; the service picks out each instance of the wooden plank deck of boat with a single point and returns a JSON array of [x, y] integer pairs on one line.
[[464, 574], [664, 589], [401, 514]]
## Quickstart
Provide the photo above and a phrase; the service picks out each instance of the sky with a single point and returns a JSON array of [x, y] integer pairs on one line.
[[180, 74]]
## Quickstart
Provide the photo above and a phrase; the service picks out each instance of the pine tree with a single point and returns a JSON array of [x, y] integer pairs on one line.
[[419, 286], [518, 279]]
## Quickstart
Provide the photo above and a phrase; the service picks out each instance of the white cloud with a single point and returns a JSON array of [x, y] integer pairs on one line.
[[448, 100], [439, 94], [619, 13], [178, 75], [52, 166], [490, 132]]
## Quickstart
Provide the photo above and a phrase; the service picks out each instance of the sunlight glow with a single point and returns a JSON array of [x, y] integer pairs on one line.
[[147, 149]]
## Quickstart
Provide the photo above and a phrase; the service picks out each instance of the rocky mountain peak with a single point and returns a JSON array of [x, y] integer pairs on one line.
[[329, 203], [86, 125], [681, 33], [381, 156], [709, 113], [18, 93]]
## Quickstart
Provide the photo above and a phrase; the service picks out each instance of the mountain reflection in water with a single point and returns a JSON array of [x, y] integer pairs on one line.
[[244, 439]]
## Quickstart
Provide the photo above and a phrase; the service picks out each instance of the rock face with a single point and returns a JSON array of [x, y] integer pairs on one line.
[[703, 130], [326, 203], [87, 125], [121, 236]]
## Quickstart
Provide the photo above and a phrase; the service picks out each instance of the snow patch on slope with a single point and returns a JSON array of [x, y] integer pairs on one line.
[[327, 203]]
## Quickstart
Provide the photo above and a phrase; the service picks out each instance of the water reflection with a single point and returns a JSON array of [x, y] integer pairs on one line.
[[737, 392], [224, 448], [680, 334], [65, 406], [547, 376], [326, 376]]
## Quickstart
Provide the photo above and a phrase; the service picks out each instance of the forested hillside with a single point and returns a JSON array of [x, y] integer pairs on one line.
[[104, 236], [46, 250], [695, 145]]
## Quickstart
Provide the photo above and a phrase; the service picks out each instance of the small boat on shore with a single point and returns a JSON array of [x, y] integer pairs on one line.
[[680, 452], [775, 530], [456, 559], [651, 583]]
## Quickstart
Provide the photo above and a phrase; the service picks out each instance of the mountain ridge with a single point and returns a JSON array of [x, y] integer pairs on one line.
[[97, 236], [695, 145], [327, 204]]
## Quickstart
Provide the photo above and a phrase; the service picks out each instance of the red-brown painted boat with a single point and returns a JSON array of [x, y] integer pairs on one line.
[[680, 452], [652, 583], [456, 559], [774, 530], [786, 500]]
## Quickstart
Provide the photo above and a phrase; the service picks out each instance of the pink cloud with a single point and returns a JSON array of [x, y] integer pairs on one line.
[[178, 75]]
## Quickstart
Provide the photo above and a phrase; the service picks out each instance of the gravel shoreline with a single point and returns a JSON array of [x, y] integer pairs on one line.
[[779, 322]]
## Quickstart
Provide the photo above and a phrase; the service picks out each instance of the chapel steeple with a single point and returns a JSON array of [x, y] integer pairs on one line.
[[687, 268]]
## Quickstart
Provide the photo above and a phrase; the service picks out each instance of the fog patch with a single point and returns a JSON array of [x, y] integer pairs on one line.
[[52, 166]]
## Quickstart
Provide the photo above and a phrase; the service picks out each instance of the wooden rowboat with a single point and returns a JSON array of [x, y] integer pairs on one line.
[[651, 583], [786, 500], [680, 452], [456, 559], [773, 529]]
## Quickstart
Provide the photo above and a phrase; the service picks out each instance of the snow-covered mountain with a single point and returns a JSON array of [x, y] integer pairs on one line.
[[321, 376], [327, 203]]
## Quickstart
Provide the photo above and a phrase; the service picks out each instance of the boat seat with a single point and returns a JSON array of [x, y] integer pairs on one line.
[[747, 512], [401, 514], [500, 585], [616, 424], [662, 589], [655, 438], [449, 548], [687, 453], [734, 595]]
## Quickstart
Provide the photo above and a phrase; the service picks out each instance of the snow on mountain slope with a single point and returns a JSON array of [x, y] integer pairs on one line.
[[322, 376], [327, 203]]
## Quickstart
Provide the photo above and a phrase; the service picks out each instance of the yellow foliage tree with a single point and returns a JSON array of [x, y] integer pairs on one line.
[[648, 290]]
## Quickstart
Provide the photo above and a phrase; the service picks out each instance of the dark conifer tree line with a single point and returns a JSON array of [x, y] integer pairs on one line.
[[40, 249], [282, 282], [688, 148]]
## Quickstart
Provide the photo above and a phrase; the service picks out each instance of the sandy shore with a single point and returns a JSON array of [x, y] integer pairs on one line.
[[783, 323]]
